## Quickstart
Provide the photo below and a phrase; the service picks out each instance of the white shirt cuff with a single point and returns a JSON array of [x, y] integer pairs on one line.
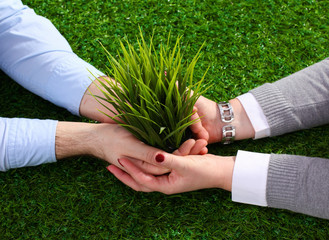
[[255, 115], [26, 142], [250, 178]]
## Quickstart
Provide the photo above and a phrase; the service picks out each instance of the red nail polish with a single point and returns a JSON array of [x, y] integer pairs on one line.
[[159, 158], [120, 162], [108, 169]]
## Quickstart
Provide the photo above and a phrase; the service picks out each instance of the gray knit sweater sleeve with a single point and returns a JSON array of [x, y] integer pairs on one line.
[[296, 102]]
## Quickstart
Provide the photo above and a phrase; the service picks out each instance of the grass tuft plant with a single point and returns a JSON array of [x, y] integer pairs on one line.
[[152, 92]]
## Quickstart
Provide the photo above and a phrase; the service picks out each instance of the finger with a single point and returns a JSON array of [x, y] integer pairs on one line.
[[142, 152], [197, 129], [199, 145], [204, 151], [147, 181], [149, 168], [171, 161], [185, 148], [126, 178]]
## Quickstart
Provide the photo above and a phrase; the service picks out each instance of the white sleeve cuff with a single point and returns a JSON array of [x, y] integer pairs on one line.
[[26, 142], [250, 178], [255, 115]]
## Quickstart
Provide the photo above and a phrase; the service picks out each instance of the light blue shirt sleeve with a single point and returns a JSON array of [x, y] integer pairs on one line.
[[38, 57], [26, 142]]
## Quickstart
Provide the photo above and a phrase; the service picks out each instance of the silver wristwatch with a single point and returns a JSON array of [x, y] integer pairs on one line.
[[227, 116]]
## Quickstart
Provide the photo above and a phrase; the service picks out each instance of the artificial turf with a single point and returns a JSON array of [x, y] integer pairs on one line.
[[248, 43]]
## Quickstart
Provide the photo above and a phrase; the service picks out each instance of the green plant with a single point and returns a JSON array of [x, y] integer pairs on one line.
[[152, 92]]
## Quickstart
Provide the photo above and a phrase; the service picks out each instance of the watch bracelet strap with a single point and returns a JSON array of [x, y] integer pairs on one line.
[[228, 134], [227, 116], [226, 112]]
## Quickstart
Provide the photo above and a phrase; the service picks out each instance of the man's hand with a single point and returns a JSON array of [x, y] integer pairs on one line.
[[111, 142]]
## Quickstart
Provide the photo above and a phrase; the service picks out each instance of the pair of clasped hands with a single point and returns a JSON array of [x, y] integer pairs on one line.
[[189, 168]]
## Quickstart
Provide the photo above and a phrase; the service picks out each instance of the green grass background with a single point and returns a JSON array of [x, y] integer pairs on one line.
[[248, 43]]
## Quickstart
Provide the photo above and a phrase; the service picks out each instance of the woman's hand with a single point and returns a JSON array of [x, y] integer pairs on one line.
[[212, 124], [111, 142], [115, 142], [188, 173]]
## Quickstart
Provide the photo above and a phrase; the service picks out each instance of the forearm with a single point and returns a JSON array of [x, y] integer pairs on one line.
[[37, 56], [78, 139], [72, 139], [299, 184], [296, 102], [291, 182]]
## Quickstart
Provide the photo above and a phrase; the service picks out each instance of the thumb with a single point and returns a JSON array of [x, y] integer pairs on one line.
[[170, 161], [198, 130]]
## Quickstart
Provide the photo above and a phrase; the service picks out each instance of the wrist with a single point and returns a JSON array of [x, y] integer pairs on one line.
[[243, 126], [225, 173], [89, 106], [74, 139], [241, 122]]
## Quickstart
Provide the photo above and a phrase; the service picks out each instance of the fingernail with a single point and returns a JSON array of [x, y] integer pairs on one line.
[[108, 168], [120, 162], [159, 158]]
